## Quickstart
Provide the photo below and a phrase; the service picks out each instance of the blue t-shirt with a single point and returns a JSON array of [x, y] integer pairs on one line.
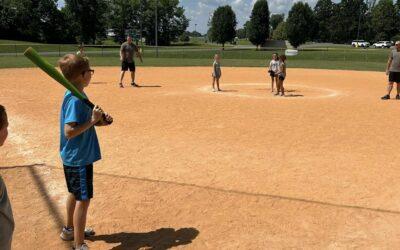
[[84, 149]]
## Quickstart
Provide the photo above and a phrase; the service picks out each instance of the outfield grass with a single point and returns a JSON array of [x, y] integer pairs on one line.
[[313, 56], [20, 62]]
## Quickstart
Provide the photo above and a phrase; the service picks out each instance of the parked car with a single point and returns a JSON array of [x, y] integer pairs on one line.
[[382, 44], [360, 43]]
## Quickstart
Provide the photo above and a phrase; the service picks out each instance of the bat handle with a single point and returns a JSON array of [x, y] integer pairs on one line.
[[91, 105]]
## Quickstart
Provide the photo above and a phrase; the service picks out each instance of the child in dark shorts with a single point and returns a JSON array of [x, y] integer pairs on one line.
[[79, 148], [273, 70], [281, 75]]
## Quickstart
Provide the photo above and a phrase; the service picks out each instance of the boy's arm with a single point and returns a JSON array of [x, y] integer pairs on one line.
[[72, 129]]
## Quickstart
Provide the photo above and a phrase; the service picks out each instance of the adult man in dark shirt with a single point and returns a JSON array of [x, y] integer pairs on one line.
[[127, 53]]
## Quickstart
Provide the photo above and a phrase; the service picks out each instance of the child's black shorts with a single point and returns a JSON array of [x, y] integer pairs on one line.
[[80, 181], [281, 77], [128, 65], [394, 77], [271, 73]]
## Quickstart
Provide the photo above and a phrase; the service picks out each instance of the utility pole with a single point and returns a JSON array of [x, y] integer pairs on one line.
[[156, 28]]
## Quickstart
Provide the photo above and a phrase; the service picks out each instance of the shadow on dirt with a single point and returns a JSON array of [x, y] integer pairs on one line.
[[163, 238]]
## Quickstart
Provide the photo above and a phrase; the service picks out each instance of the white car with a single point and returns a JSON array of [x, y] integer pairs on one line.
[[360, 43], [382, 44]]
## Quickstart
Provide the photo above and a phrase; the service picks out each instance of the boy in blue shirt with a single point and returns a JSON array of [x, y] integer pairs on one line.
[[79, 147]]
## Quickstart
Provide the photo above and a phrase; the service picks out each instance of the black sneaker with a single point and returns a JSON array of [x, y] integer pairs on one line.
[[386, 97], [135, 85], [397, 97]]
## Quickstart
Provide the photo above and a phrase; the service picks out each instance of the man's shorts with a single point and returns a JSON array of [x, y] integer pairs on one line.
[[394, 77], [128, 65], [80, 181]]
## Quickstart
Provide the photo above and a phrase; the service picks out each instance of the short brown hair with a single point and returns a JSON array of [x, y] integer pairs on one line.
[[3, 116], [73, 65]]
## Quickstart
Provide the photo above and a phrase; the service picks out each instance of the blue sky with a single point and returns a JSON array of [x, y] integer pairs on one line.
[[198, 11]]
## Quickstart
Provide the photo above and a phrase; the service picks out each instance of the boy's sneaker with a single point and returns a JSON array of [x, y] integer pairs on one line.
[[397, 97], [386, 97], [82, 247], [67, 234]]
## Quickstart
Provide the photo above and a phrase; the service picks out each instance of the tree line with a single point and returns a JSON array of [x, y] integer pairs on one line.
[[87, 21], [328, 22]]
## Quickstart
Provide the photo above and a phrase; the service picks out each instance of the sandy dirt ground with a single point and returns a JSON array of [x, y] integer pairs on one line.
[[187, 168]]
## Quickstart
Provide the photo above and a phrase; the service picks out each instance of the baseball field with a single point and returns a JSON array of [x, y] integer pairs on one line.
[[189, 168]]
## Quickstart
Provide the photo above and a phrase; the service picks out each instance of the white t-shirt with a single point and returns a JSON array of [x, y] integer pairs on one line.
[[274, 65]]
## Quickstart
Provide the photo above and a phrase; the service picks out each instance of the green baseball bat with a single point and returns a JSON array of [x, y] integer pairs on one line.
[[56, 75]]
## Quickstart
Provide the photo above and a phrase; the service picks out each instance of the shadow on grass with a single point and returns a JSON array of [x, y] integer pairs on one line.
[[163, 238]]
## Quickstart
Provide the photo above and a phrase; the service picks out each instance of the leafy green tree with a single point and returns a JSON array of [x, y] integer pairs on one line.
[[172, 21], [323, 12], [385, 21], [280, 33], [276, 19], [300, 24], [36, 20], [124, 16], [344, 23], [259, 23], [223, 25], [90, 18], [241, 33]]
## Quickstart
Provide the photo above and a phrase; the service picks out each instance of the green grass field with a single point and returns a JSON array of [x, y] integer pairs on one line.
[[321, 57]]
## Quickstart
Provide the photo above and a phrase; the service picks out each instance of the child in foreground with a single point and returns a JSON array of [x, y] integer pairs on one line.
[[79, 148], [216, 75], [281, 75], [6, 215], [273, 70]]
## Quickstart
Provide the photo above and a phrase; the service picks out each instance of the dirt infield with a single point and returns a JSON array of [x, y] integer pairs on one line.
[[188, 168]]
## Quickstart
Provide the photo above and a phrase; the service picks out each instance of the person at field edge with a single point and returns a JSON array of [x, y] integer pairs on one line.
[[127, 53], [81, 51], [393, 71]]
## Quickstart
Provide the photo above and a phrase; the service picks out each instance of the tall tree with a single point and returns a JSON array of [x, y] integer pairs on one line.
[[385, 21], [223, 25], [34, 20], [345, 21], [323, 12], [124, 16], [259, 23], [280, 33], [276, 19], [90, 18], [300, 24], [172, 21]]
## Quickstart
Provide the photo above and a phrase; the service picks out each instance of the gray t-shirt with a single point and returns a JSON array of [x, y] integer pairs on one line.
[[6, 218], [128, 51], [217, 69], [395, 55]]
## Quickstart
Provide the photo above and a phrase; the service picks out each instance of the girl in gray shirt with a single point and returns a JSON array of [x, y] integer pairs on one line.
[[216, 75]]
